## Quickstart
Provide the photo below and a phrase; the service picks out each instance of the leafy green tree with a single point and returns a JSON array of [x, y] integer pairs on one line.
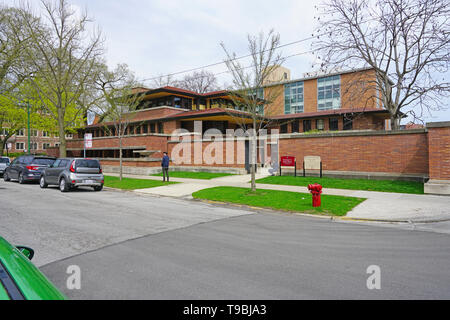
[[66, 63]]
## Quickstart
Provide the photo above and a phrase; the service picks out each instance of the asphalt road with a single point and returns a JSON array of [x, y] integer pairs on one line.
[[59, 225], [142, 247]]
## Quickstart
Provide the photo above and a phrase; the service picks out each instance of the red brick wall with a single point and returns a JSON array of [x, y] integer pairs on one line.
[[140, 164], [52, 151], [151, 142], [439, 156], [237, 158], [390, 153]]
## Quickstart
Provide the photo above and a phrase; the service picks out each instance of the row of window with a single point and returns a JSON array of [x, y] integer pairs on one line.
[[34, 146], [333, 125], [153, 127], [328, 95], [35, 133]]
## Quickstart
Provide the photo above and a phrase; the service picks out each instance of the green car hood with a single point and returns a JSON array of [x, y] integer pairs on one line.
[[32, 284]]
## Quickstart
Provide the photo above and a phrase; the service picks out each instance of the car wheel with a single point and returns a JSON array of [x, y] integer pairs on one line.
[[63, 185], [98, 188], [42, 183], [21, 179], [6, 177]]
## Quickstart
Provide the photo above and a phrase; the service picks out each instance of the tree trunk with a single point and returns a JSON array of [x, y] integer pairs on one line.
[[120, 157], [3, 147], [395, 122], [254, 156], [62, 134]]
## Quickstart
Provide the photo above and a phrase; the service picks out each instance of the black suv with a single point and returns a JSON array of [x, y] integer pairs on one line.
[[27, 168]]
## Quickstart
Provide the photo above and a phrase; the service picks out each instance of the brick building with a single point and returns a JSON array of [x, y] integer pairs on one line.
[[332, 102], [40, 141]]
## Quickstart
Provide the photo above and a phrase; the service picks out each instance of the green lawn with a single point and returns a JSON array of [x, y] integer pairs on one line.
[[352, 184], [280, 200], [131, 183], [194, 175]]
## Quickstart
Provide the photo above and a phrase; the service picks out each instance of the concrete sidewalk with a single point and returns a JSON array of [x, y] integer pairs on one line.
[[384, 206]]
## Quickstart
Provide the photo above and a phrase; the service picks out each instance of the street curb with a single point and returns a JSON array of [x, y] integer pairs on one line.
[[336, 218], [391, 220]]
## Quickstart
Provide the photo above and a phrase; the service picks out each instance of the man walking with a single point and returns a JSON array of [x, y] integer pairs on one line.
[[165, 166]]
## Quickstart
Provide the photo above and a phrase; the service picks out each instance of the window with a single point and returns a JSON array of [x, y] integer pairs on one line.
[[33, 146], [20, 146], [45, 134], [329, 93], [334, 124], [21, 133], [34, 133], [69, 136], [293, 97], [152, 128], [63, 163], [306, 125], [177, 102], [160, 127], [42, 161], [348, 122], [320, 124], [145, 128], [45, 146], [295, 126], [284, 128], [260, 95], [85, 163]]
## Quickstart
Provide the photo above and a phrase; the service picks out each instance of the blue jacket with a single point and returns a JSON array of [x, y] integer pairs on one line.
[[165, 161]]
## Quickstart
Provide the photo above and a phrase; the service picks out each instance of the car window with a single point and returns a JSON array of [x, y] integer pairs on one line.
[[15, 161], [87, 163], [56, 163], [25, 160], [4, 160], [43, 161], [63, 163]]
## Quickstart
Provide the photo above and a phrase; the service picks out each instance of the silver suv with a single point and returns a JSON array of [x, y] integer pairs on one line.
[[4, 163], [70, 173]]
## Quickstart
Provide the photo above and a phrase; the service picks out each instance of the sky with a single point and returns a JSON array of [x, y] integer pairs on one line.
[[159, 37]]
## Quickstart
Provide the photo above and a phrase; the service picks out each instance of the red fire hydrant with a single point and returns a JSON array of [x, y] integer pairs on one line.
[[316, 190]]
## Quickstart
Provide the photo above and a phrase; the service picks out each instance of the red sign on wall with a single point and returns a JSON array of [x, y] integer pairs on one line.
[[287, 161]]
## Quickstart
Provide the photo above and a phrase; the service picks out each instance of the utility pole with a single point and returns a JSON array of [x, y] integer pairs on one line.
[[29, 129]]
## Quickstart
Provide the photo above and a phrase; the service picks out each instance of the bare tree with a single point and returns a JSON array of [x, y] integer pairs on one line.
[[66, 62], [164, 81], [247, 91], [406, 42], [199, 81], [120, 102]]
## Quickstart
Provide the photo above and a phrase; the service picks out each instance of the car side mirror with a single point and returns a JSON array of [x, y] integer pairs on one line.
[[26, 251]]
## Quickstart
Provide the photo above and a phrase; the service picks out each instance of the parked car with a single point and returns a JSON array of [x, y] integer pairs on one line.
[[4, 163], [69, 173], [20, 279], [27, 168]]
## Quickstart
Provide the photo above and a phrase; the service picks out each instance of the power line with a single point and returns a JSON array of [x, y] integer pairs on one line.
[[222, 62], [244, 56]]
